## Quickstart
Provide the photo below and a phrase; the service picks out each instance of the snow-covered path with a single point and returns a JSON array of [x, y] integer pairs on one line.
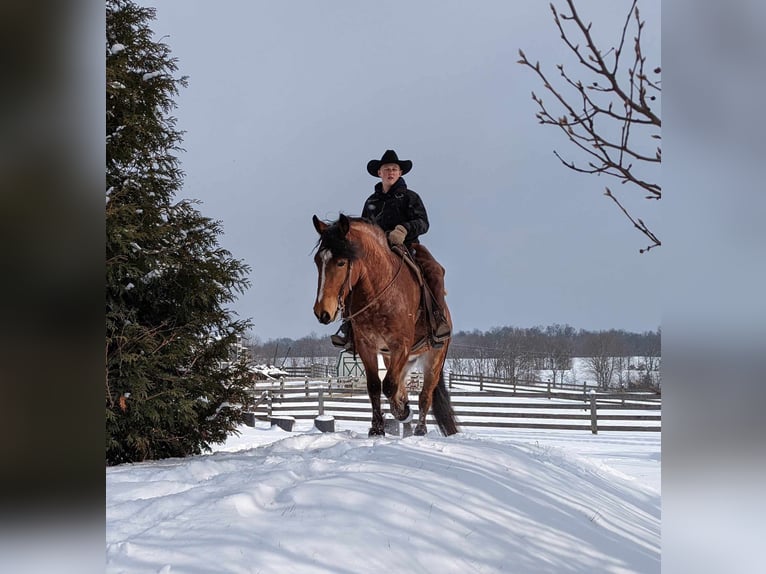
[[307, 502]]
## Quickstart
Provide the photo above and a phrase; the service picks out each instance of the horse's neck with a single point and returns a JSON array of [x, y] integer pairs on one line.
[[376, 272], [374, 276]]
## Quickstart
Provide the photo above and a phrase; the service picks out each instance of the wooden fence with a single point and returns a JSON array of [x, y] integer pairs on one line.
[[515, 406], [482, 382]]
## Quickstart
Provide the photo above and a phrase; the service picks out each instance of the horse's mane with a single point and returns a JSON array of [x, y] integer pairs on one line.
[[340, 245]]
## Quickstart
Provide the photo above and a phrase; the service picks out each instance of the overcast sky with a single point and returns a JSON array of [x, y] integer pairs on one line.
[[288, 101]]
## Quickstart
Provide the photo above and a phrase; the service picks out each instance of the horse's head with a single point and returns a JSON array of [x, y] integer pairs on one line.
[[335, 253]]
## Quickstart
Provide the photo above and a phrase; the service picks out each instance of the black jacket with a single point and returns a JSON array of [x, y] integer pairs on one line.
[[400, 206]]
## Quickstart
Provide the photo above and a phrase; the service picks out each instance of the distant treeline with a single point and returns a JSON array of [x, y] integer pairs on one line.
[[562, 339], [559, 341]]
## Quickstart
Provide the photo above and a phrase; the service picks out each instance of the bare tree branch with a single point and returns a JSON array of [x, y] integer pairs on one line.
[[610, 118]]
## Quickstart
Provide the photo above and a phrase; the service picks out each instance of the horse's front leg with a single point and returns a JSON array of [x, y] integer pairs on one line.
[[393, 383], [370, 361], [377, 427]]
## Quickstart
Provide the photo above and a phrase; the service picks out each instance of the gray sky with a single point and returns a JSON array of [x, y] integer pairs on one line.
[[288, 101]]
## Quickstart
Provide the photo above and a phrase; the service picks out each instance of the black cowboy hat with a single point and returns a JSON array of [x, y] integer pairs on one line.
[[389, 157]]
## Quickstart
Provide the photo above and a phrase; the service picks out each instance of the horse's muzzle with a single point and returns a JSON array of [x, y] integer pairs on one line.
[[324, 317]]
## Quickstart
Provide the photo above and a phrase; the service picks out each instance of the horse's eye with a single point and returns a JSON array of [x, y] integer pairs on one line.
[[341, 263]]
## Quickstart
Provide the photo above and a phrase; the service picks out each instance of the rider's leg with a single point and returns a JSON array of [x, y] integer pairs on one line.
[[433, 274]]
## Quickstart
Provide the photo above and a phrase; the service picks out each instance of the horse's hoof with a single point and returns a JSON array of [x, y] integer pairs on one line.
[[420, 430], [407, 417], [376, 432]]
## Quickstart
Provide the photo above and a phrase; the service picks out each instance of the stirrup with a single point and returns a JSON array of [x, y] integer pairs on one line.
[[441, 337], [342, 338], [419, 344], [440, 334]]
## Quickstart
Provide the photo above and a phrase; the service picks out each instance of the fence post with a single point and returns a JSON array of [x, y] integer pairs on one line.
[[549, 388], [269, 405], [481, 381], [450, 379], [321, 401], [281, 388], [584, 392], [593, 421], [307, 387]]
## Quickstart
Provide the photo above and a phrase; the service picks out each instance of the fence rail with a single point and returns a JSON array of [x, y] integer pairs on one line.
[[499, 383], [519, 407], [313, 370]]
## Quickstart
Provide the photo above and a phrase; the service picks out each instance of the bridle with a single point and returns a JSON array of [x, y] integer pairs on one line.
[[347, 285]]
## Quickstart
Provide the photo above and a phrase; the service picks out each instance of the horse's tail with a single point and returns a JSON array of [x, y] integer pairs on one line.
[[442, 408]]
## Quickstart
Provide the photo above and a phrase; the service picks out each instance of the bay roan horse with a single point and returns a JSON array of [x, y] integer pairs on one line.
[[361, 279]]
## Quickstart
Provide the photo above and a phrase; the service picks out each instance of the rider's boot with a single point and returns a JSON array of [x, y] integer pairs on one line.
[[343, 338], [442, 329]]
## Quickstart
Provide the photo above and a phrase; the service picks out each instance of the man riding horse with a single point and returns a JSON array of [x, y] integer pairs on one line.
[[400, 212]]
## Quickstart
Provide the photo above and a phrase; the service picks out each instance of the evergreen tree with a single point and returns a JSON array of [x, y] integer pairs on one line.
[[173, 384]]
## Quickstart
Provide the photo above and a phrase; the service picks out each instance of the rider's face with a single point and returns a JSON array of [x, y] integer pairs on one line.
[[389, 173]]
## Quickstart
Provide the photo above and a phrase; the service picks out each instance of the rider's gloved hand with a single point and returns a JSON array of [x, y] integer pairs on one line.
[[396, 235]]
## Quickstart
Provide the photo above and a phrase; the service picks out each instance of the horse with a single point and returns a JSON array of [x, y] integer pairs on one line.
[[363, 280]]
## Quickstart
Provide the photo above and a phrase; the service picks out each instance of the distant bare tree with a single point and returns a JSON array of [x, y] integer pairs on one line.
[[612, 117], [623, 371], [602, 358], [511, 362], [650, 367], [558, 350], [515, 362], [572, 377], [560, 361], [458, 359]]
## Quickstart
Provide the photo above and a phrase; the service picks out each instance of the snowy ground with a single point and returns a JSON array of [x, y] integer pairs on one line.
[[487, 501]]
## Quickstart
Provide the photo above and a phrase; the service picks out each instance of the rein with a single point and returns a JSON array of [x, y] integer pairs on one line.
[[374, 299]]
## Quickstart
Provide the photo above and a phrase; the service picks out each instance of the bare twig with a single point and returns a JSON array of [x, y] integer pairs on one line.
[[638, 224]]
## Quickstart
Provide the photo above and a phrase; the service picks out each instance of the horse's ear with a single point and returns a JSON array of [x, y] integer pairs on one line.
[[343, 224], [319, 225]]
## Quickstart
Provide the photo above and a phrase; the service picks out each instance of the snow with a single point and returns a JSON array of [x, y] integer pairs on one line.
[[270, 501], [151, 75], [268, 371]]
